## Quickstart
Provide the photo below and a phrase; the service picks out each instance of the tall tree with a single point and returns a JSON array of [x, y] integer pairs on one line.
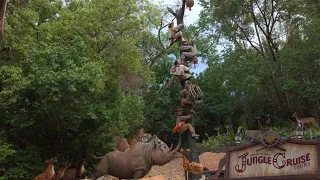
[[264, 60], [187, 141], [70, 79]]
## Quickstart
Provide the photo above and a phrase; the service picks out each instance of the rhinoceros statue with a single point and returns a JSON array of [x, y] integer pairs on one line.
[[136, 162]]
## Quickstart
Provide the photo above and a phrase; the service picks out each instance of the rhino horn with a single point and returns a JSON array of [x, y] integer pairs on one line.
[[178, 146], [171, 147]]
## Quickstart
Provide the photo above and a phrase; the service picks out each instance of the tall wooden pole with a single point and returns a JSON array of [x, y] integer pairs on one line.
[[187, 141]]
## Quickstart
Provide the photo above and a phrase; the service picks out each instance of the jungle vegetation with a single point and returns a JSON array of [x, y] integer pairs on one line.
[[75, 74]]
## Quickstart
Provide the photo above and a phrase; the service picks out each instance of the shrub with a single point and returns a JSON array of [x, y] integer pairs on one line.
[[216, 143]]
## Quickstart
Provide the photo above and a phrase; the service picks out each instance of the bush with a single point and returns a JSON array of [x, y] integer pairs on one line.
[[216, 143], [311, 132]]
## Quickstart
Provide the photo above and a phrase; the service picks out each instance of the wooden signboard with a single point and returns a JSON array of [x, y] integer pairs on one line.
[[293, 159], [296, 160]]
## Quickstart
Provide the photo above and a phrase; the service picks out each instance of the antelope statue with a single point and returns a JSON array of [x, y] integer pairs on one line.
[[304, 121], [76, 172], [49, 172], [60, 171], [259, 122], [228, 127], [217, 129], [268, 122]]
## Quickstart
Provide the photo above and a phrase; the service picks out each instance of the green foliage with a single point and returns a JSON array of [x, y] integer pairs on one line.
[[215, 143], [75, 74], [12, 83], [257, 74], [6, 150], [70, 79], [311, 132], [132, 107], [22, 164]]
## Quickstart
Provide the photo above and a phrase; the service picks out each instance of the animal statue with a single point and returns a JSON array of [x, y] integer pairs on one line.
[[217, 129], [135, 162], [133, 142], [154, 140], [304, 121], [147, 138], [139, 134], [75, 173], [228, 127], [222, 163], [188, 166], [60, 171], [121, 143], [189, 4], [3, 7], [49, 172], [268, 122], [259, 122]]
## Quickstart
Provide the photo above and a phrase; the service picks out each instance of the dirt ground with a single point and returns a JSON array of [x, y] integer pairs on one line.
[[171, 171]]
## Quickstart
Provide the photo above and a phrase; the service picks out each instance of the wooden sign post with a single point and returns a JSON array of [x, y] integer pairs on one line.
[[286, 158], [298, 159]]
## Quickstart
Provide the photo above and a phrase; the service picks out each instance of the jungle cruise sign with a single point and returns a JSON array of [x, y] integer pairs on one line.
[[297, 159]]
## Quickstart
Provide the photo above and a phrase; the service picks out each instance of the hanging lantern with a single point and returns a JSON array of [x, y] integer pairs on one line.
[[189, 4]]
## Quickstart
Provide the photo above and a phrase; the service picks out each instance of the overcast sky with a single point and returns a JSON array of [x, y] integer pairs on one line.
[[190, 18]]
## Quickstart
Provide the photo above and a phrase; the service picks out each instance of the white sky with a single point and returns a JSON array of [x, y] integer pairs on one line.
[[190, 18]]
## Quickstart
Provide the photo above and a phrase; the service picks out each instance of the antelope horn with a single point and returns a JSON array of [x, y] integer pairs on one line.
[[95, 157]]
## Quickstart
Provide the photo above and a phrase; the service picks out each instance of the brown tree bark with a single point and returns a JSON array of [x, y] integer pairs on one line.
[[3, 6]]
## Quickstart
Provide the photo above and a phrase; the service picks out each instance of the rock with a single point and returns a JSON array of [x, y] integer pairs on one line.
[[211, 160]]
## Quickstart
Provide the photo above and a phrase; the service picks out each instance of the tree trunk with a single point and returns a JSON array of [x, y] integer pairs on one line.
[[3, 5], [187, 141], [316, 111]]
